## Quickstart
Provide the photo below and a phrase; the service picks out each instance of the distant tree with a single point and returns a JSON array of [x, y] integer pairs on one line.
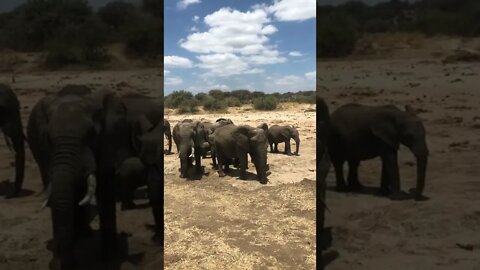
[[116, 14], [215, 93]]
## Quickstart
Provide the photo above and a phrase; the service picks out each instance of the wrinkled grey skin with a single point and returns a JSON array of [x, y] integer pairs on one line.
[[144, 117], [12, 129], [168, 133], [236, 142], [278, 134], [364, 132], [75, 137], [190, 136], [323, 165]]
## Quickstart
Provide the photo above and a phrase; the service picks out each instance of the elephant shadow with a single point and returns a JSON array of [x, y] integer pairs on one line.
[[5, 187], [375, 191], [88, 253], [193, 175], [236, 174]]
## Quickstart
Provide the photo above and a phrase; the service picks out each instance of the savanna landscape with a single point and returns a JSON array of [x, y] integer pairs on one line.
[[105, 56], [435, 69], [217, 222]]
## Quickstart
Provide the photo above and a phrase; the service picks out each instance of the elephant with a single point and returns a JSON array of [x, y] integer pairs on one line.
[[277, 134], [11, 126], [210, 127], [360, 132], [323, 164], [144, 115], [80, 138], [263, 126], [168, 133], [188, 134], [236, 142]]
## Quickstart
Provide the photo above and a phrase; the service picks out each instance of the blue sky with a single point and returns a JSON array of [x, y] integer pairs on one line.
[[264, 46]]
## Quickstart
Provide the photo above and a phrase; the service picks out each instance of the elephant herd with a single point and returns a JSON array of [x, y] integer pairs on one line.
[[354, 133], [91, 148], [228, 144]]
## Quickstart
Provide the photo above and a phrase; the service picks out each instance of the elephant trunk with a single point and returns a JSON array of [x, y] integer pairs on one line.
[[62, 202], [421, 174], [297, 145], [155, 193], [184, 155], [18, 140], [260, 162]]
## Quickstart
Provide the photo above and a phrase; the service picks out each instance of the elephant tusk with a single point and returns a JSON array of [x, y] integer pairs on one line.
[[49, 192], [92, 186]]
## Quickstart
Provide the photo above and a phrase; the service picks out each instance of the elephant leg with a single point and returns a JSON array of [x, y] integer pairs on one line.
[[393, 176], [271, 147], [169, 144], [338, 166], [18, 142], [155, 192], [214, 159], [353, 182], [221, 163], [107, 215], [384, 188], [243, 159], [276, 148], [288, 150]]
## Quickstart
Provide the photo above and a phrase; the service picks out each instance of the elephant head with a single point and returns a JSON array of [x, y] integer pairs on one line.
[[263, 126], [85, 135], [11, 126], [407, 129], [254, 141]]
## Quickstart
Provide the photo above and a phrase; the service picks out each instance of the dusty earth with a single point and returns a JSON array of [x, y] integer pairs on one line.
[[25, 229], [228, 223], [371, 232]]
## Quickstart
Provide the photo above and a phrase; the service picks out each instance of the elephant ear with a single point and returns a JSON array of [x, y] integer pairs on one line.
[[242, 137], [140, 127], [387, 132]]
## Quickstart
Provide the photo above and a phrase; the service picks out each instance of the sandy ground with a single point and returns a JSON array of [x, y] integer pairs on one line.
[[25, 229], [228, 223], [372, 232]]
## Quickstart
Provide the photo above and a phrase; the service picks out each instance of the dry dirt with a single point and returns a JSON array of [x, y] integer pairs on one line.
[[228, 223], [25, 229], [371, 232]]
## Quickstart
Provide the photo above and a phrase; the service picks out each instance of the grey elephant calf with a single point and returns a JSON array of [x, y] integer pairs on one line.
[[236, 143], [282, 134], [360, 132], [190, 135]]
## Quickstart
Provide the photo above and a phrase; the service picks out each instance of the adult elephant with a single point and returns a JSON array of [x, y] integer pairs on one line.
[[11, 126], [144, 117], [278, 134], [81, 137], [323, 165], [362, 132], [188, 135], [168, 133], [235, 143], [211, 127]]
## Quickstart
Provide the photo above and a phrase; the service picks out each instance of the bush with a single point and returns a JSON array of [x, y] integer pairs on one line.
[[214, 104], [143, 37], [267, 103], [189, 106], [337, 36], [233, 102], [178, 98]]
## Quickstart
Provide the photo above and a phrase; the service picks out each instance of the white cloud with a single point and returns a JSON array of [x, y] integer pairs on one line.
[[293, 10], [173, 81], [225, 64], [173, 61], [289, 80], [205, 88], [194, 29], [235, 42], [195, 18], [295, 54], [311, 75], [183, 4]]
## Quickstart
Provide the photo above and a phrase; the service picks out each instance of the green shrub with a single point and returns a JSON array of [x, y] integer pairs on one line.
[[189, 106], [267, 103], [337, 36], [178, 98], [61, 55], [233, 102], [214, 104]]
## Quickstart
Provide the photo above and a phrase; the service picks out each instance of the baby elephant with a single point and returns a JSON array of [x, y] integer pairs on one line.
[[278, 134]]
